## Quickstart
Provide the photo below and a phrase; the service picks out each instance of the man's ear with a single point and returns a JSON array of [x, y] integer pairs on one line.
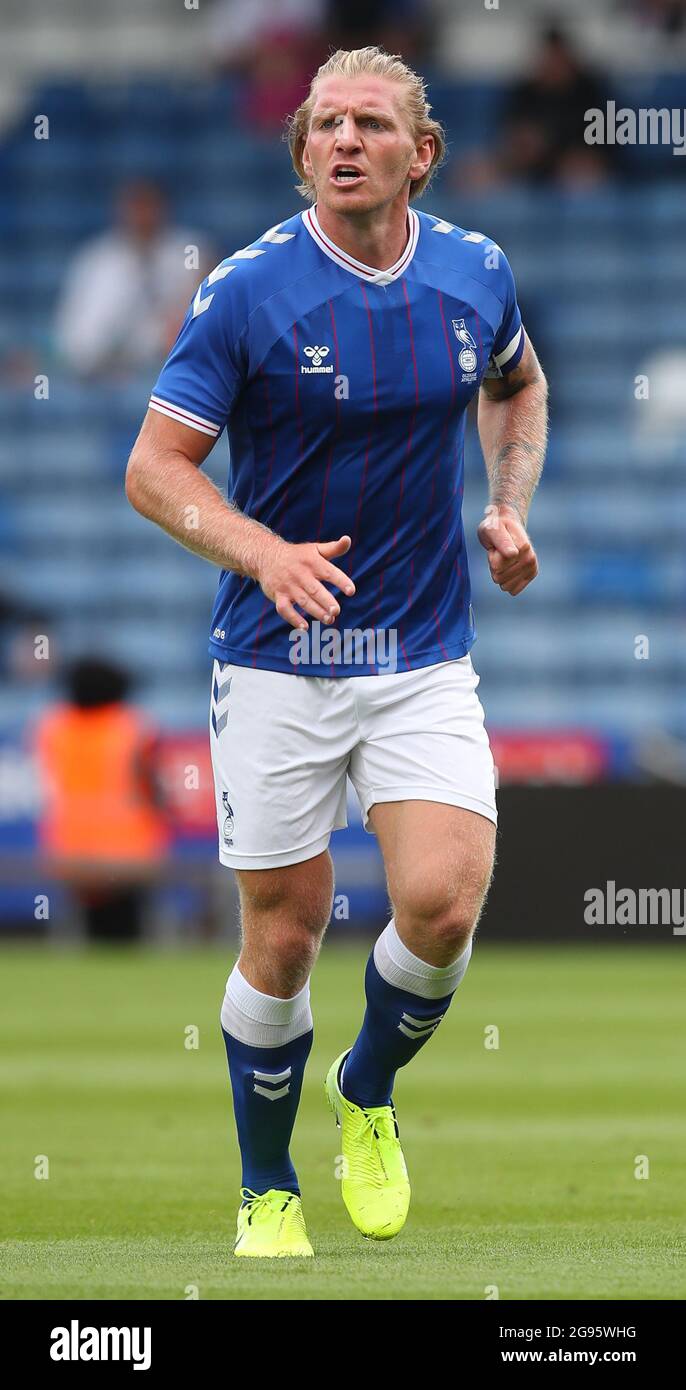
[[422, 162], [306, 161]]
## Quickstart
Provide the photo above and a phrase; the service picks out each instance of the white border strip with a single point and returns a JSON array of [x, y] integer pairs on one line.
[[502, 357], [349, 263], [185, 417]]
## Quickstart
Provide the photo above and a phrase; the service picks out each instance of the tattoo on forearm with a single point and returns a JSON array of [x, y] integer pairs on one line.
[[513, 426], [514, 473]]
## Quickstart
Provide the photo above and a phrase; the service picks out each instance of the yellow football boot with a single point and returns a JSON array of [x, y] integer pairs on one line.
[[375, 1185], [271, 1225]]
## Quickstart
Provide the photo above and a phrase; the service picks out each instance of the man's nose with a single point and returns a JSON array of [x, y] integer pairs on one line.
[[346, 133]]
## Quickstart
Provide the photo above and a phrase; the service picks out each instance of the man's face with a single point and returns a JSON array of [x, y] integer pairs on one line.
[[360, 124], [141, 208]]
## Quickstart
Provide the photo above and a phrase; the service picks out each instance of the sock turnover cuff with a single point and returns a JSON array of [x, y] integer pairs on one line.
[[400, 967], [263, 1019]]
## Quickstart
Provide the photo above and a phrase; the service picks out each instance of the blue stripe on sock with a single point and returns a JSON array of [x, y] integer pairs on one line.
[[387, 1040], [265, 1107]]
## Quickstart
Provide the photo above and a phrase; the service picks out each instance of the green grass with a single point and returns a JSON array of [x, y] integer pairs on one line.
[[522, 1159]]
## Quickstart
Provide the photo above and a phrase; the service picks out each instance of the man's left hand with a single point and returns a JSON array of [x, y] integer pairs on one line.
[[511, 556]]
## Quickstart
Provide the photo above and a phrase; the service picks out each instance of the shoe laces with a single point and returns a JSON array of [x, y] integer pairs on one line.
[[264, 1203], [377, 1123], [376, 1134]]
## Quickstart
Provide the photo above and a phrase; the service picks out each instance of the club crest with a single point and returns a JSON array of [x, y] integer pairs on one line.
[[467, 357], [228, 820]]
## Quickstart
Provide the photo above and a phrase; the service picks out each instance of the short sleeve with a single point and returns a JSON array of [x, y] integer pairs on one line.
[[508, 344], [203, 373]]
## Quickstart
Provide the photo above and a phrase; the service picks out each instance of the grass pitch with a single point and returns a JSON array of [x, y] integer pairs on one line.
[[522, 1158]]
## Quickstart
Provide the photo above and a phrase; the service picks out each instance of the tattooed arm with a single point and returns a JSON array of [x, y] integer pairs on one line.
[[513, 418]]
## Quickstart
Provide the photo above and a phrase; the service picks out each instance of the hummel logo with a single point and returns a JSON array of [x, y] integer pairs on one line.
[[273, 1080], [419, 1028], [317, 355]]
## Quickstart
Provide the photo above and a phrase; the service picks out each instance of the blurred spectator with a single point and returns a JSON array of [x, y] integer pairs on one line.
[[127, 291], [545, 118], [238, 26], [667, 16], [103, 825], [399, 26], [275, 45], [661, 410], [544, 121], [20, 624]]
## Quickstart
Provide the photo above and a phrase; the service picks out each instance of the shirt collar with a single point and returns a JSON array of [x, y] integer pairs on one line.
[[365, 272]]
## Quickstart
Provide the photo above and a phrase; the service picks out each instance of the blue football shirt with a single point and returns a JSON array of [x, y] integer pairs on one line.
[[343, 390]]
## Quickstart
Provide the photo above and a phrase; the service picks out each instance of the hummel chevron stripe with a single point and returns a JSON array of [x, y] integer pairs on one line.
[[220, 724], [419, 1027], [273, 1078], [276, 236]]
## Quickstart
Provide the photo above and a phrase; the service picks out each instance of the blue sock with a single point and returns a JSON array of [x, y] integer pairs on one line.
[[406, 1000], [268, 1042]]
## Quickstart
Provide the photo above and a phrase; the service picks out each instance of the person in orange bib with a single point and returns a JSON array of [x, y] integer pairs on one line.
[[103, 825]]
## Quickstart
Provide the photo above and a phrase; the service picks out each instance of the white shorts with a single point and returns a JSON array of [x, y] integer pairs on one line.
[[283, 745]]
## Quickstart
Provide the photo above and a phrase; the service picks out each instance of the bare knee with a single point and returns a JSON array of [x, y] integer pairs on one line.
[[284, 914], [436, 913], [436, 917]]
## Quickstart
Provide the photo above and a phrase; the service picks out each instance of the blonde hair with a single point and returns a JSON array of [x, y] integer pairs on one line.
[[360, 62]]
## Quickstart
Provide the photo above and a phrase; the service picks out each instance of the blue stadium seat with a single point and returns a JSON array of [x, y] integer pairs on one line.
[[610, 567]]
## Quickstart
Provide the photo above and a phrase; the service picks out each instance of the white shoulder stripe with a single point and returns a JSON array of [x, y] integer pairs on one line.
[[220, 272], [274, 234], [247, 253], [185, 417], [501, 358]]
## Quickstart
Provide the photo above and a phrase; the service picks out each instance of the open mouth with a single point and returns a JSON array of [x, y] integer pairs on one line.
[[346, 175]]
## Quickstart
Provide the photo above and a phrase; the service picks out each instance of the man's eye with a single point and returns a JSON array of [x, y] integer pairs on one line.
[[371, 120]]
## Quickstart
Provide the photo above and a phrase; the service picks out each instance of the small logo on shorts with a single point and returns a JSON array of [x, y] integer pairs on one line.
[[227, 829]]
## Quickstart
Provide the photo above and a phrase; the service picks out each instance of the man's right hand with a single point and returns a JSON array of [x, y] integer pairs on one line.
[[290, 574]]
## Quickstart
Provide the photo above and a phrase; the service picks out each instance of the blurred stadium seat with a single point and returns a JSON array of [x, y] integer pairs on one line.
[[608, 521], [574, 256]]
